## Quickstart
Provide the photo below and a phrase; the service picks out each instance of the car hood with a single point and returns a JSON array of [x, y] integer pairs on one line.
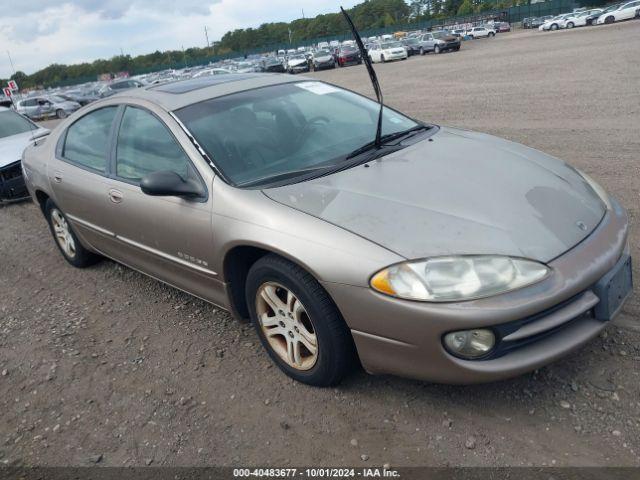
[[11, 148], [462, 193], [297, 61], [326, 58]]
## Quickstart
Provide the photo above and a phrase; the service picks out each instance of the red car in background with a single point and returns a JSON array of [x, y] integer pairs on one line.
[[348, 55]]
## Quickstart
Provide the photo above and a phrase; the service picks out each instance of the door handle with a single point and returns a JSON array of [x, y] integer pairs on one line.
[[115, 195], [57, 177]]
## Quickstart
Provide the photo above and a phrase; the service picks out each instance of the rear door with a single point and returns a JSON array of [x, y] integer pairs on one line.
[[167, 237], [78, 176]]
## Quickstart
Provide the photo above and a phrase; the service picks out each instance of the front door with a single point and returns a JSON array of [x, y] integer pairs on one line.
[[167, 237]]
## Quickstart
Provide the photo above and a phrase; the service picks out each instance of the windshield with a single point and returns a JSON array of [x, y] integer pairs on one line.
[[322, 53], [283, 129], [387, 45], [297, 57], [440, 34], [411, 41], [12, 123]]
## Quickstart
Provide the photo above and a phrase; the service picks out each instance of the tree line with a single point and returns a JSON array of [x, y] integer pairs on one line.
[[371, 14]]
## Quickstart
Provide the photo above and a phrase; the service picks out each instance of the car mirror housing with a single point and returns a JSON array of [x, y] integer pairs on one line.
[[170, 184]]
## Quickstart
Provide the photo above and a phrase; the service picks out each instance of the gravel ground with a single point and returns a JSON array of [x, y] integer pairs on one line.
[[108, 366]]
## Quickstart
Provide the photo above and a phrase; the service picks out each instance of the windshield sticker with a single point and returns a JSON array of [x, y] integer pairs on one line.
[[318, 88]]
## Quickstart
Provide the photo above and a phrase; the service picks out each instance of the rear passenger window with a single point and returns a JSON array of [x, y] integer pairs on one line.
[[145, 145], [88, 138]]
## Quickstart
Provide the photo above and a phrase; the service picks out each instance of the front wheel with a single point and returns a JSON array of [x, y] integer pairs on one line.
[[61, 113], [554, 27], [297, 322], [491, 34], [66, 239], [609, 19], [570, 25], [422, 52], [381, 58], [436, 49]]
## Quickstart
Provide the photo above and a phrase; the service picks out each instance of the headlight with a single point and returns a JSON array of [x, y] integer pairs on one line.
[[457, 278], [470, 343], [604, 196]]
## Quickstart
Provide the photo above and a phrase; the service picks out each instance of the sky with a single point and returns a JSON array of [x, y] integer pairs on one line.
[[38, 33]]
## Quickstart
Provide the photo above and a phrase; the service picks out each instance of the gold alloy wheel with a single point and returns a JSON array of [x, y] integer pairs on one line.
[[286, 326], [62, 233]]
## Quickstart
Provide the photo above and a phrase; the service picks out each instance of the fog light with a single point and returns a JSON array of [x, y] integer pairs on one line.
[[470, 343]]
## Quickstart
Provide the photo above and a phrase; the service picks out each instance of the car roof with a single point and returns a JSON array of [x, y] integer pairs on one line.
[[173, 95]]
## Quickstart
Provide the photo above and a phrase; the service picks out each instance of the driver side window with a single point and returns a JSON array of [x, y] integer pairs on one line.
[[145, 145]]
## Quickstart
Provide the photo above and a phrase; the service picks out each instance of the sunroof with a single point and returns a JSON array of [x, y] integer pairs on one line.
[[185, 86]]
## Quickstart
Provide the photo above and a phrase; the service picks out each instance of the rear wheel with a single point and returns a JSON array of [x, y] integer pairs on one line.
[[491, 34], [422, 52], [298, 324], [382, 58], [65, 238], [436, 49]]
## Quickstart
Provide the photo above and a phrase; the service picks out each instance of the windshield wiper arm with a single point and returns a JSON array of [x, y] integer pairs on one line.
[[388, 137], [283, 176]]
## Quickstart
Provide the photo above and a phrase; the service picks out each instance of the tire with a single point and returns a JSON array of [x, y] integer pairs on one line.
[[436, 49], [570, 25], [491, 34], [422, 52], [381, 58], [77, 255], [457, 49], [275, 277], [61, 113], [609, 19], [554, 26]]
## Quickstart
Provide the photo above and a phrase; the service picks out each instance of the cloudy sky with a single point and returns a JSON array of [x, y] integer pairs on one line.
[[41, 32]]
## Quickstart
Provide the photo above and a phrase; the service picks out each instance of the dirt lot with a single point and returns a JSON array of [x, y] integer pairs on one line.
[[108, 365]]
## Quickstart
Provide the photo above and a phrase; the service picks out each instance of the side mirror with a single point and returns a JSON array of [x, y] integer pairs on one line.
[[170, 184]]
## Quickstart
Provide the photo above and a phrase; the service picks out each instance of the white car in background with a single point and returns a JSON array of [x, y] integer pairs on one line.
[[555, 23], [211, 71], [481, 32], [625, 11], [579, 19], [386, 51]]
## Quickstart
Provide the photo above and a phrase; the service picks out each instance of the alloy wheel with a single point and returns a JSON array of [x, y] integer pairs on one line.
[[287, 326], [63, 233]]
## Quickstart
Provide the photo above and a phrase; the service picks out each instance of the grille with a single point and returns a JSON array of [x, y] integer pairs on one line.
[[11, 171]]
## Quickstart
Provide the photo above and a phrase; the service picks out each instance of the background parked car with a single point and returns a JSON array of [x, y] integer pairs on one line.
[[83, 97], [16, 131], [386, 51], [322, 59], [273, 65], [52, 106], [580, 19], [412, 45], [297, 63], [349, 55], [438, 42], [501, 27], [119, 86], [625, 11], [554, 23], [537, 21], [481, 32]]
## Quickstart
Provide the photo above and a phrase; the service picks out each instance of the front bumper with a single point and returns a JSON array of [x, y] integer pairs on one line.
[[545, 321], [395, 56], [12, 186]]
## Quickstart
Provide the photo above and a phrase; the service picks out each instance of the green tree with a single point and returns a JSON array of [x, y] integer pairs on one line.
[[466, 8]]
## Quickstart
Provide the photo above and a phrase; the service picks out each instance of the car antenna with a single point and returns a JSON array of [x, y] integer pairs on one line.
[[372, 74]]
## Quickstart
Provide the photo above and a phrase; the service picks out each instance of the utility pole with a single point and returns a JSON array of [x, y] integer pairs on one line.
[[11, 62], [206, 35], [303, 13], [184, 56]]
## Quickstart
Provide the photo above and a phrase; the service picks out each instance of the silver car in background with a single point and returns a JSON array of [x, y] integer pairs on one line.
[[434, 253], [16, 132], [44, 107]]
